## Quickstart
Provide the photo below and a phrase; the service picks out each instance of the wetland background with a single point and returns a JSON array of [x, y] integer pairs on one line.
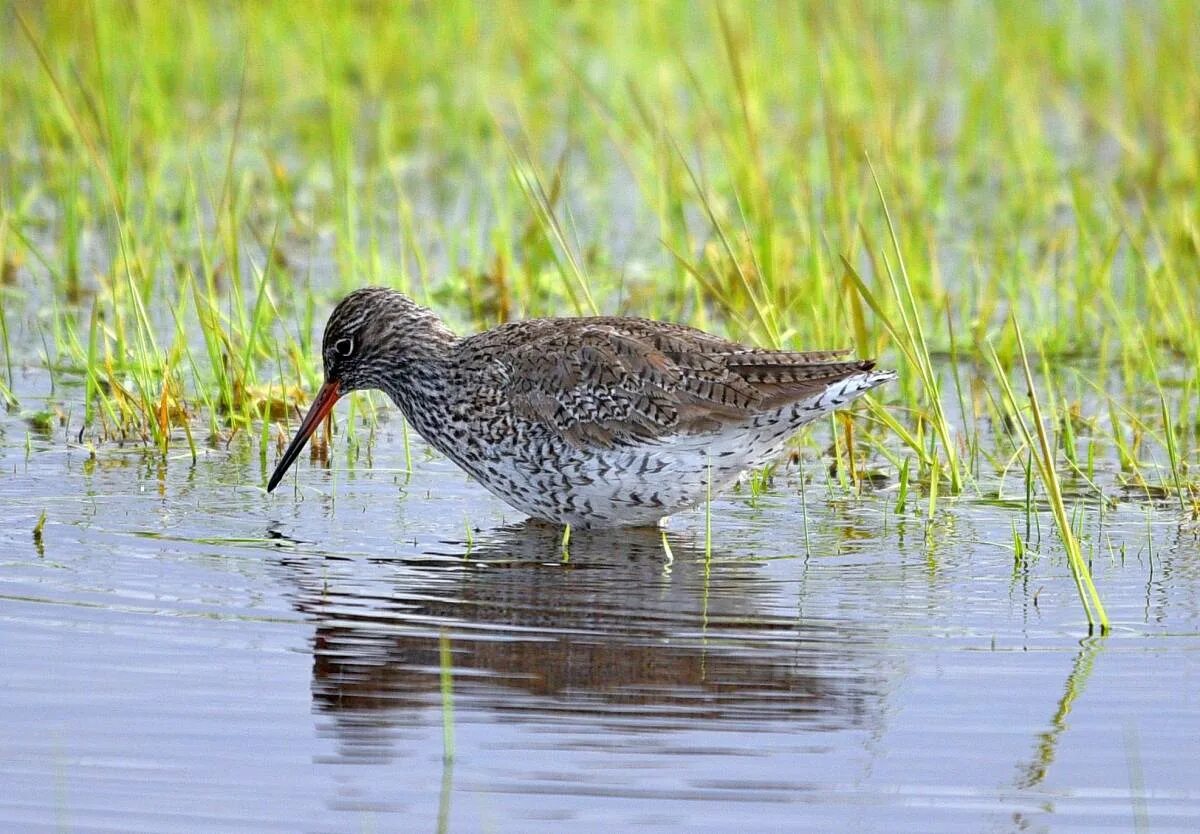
[[973, 604]]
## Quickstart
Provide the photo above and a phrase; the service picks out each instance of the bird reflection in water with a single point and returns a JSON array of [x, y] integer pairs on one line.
[[620, 629]]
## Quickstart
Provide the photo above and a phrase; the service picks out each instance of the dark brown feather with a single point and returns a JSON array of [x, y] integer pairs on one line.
[[608, 381]]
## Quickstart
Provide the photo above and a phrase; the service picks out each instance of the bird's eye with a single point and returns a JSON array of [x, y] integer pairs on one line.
[[343, 347]]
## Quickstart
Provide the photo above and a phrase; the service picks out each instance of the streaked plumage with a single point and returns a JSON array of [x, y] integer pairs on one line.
[[599, 421]]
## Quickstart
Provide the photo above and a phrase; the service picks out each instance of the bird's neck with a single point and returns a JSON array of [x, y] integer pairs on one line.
[[420, 379]]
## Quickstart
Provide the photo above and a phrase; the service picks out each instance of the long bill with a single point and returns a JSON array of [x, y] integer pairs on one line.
[[322, 404]]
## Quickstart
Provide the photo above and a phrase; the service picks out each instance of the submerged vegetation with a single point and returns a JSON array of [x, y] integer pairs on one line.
[[1000, 200]]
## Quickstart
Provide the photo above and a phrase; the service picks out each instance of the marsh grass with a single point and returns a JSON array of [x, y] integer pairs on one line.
[[1042, 451], [184, 193]]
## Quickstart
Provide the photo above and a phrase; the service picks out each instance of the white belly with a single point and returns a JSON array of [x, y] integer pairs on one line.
[[639, 485]]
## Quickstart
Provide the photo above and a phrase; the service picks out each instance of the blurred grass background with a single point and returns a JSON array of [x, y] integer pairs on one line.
[[185, 189]]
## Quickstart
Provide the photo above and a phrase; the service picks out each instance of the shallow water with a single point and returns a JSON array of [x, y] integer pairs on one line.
[[183, 652]]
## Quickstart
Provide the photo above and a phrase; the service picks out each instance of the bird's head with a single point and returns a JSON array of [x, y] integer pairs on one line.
[[374, 338]]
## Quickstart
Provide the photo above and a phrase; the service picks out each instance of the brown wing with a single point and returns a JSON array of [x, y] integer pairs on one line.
[[607, 382]]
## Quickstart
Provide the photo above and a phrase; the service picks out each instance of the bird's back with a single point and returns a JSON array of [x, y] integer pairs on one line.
[[609, 420]]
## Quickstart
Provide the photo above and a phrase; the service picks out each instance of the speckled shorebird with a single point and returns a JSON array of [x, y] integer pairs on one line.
[[594, 422]]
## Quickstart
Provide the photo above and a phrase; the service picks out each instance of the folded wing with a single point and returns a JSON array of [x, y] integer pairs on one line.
[[612, 382]]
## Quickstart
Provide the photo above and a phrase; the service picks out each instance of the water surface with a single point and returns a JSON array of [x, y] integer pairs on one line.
[[183, 652]]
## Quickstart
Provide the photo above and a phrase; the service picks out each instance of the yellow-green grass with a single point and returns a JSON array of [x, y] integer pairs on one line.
[[185, 190]]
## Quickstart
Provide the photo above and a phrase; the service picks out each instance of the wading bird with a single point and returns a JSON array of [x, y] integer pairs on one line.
[[593, 422]]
